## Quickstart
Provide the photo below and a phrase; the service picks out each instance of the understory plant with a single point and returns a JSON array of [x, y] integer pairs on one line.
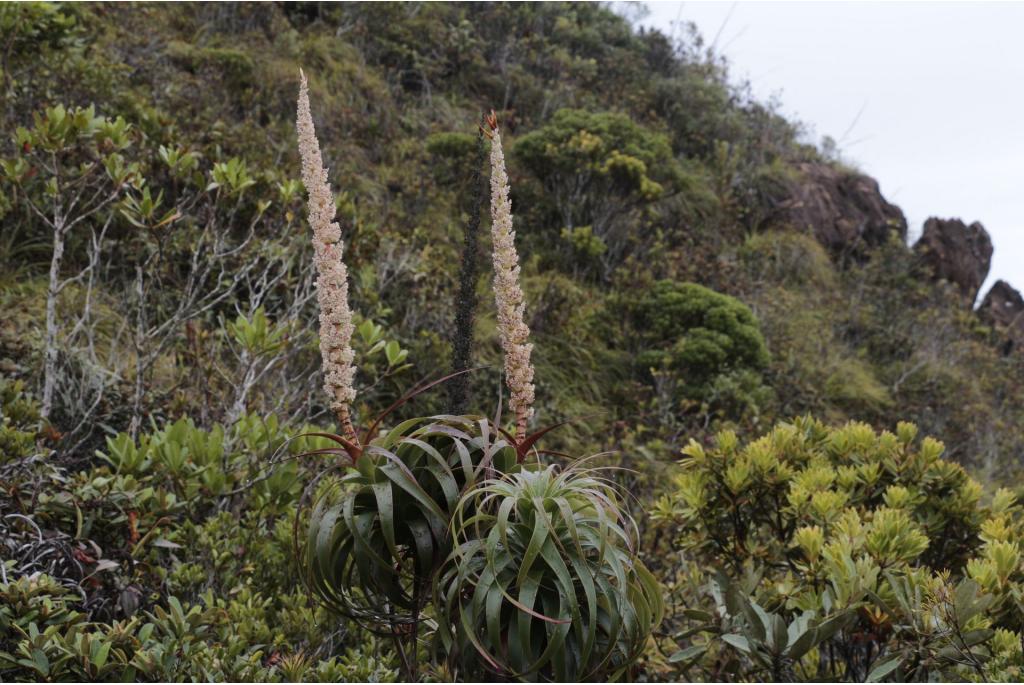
[[450, 524]]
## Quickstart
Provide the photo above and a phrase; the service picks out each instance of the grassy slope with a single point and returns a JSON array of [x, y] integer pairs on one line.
[[869, 341]]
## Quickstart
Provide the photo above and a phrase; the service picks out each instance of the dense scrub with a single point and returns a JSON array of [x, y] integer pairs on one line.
[[842, 554], [158, 342], [167, 558]]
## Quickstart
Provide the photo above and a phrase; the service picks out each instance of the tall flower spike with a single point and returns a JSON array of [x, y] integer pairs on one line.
[[332, 276], [508, 295]]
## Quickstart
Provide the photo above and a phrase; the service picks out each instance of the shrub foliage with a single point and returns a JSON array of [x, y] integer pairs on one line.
[[890, 550]]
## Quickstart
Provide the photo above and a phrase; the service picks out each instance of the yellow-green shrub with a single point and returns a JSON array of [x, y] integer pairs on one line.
[[875, 530]]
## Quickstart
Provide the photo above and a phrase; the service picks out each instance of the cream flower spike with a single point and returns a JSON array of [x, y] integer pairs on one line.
[[508, 295], [332, 276]]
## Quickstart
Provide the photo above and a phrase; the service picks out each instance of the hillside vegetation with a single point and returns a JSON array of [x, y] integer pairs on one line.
[[700, 282]]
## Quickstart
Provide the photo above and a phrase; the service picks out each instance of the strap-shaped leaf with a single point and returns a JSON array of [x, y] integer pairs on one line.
[[884, 668], [533, 548], [572, 603], [374, 545]]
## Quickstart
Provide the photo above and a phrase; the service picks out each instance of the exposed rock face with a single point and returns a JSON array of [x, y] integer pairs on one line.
[[1004, 306], [844, 210], [956, 253]]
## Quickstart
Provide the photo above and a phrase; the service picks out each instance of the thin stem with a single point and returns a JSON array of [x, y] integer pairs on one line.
[[345, 418]]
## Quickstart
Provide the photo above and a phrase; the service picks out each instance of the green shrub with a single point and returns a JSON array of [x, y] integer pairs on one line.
[[453, 155], [19, 421], [874, 531], [598, 167], [787, 258], [615, 154], [459, 147], [43, 638], [698, 333], [237, 66], [168, 558]]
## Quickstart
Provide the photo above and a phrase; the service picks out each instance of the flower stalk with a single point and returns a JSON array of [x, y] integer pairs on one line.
[[336, 325], [508, 294], [466, 300]]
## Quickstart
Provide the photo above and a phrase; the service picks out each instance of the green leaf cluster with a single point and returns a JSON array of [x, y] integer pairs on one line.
[[544, 582], [514, 570], [378, 533]]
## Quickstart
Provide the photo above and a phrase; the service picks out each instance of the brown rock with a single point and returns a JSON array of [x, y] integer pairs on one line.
[[1004, 307], [843, 209], [956, 253]]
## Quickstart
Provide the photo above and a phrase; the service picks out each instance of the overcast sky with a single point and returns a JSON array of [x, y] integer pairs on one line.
[[926, 97]]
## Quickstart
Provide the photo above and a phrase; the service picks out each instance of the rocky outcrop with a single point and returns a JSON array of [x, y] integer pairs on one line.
[[957, 253], [1003, 306], [844, 210]]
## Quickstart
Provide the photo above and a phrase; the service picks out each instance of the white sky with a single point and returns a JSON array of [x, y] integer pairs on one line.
[[939, 88]]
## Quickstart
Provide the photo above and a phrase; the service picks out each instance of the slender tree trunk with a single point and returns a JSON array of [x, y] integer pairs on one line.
[[248, 380], [52, 291]]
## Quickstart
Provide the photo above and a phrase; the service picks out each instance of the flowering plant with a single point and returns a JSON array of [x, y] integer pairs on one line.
[[446, 516]]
